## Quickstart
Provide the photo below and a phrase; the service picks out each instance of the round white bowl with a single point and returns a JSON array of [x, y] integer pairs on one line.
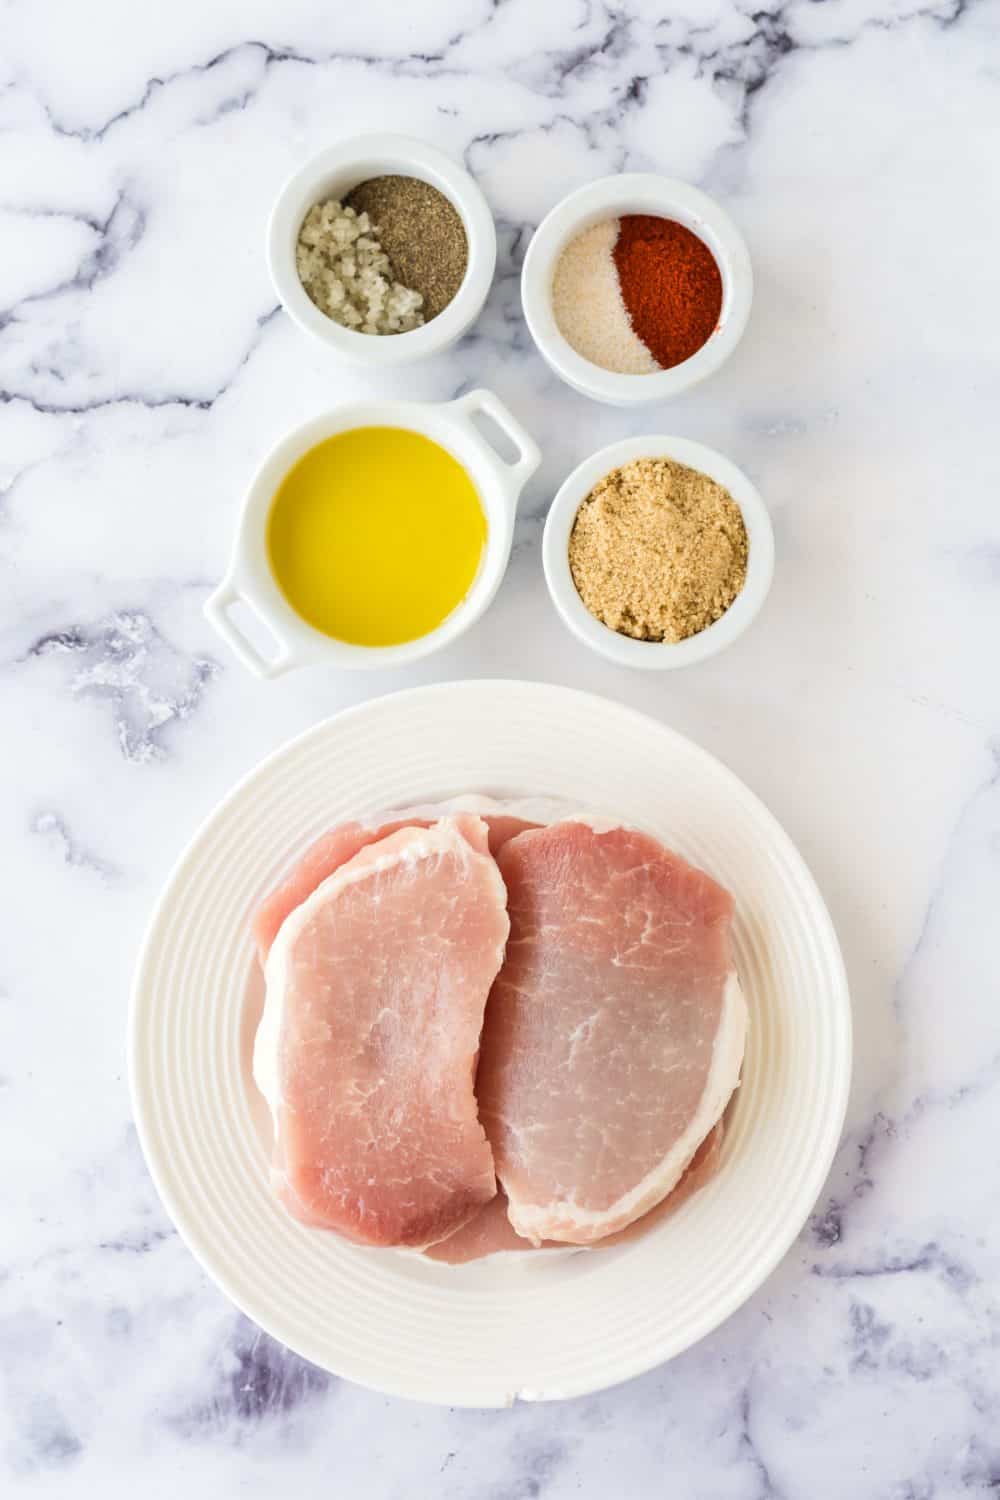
[[251, 583], [657, 655], [610, 198], [332, 174]]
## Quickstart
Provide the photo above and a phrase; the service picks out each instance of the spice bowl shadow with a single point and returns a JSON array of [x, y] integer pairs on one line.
[[657, 655], [332, 174], [612, 198]]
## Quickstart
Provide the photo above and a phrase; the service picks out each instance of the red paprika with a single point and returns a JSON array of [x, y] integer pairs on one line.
[[670, 284]]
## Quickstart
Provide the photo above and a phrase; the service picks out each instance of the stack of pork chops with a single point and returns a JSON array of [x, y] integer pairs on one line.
[[493, 1026]]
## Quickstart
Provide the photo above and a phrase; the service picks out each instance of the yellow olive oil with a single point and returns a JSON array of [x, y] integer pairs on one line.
[[376, 535]]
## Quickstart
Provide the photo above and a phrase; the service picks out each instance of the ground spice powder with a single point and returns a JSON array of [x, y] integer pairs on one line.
[[421, 233], [588, 308], [658, 551], [670, 285]]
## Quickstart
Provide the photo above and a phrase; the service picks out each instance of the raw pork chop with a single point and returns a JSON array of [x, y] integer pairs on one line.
[[376, 985], [615, 1030], [333, 849], [321, 859], [492, 1233]]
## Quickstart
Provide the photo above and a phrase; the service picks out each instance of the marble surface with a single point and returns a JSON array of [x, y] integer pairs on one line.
[[144, 369]]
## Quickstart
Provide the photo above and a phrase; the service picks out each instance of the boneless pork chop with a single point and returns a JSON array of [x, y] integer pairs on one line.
[[490, 1232], [321, 859], [376, 985], [615, 1030], [334, 848]]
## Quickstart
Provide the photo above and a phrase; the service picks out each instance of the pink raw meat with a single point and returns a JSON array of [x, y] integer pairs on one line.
[[333, 849], [328, 853], [376, 986], [615, 1031], [490, 1232]]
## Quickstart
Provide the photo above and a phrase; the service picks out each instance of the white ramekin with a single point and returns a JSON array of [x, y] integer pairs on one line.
[[657, 655], [610, 198], [332, 174], [251, 583]]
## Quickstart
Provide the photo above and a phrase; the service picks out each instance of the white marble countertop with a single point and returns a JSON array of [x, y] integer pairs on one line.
[[144, 369]]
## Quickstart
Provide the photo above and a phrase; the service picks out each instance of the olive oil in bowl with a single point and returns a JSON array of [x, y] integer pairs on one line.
[[376, 535]]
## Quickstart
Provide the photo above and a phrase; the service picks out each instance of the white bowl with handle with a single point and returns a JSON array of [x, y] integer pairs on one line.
[[250, 583]]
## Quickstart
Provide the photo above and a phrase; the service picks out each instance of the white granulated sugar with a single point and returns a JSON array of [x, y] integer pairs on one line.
[[346, 273], [588, 307]]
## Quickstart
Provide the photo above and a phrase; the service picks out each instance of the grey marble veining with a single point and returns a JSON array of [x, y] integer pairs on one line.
[[144, 370]]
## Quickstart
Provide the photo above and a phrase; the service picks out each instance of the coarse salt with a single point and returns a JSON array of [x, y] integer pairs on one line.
[[347, 274]]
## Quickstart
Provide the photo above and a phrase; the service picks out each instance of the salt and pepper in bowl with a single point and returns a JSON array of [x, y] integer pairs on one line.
[[343, 284]]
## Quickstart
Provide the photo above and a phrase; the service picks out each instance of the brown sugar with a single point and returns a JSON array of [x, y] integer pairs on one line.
[[658, 551]]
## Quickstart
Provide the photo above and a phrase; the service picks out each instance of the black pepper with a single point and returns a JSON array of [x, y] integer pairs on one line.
[[421, 233]]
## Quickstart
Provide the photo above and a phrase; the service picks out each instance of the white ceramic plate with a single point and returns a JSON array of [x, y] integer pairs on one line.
[[537, 1329]]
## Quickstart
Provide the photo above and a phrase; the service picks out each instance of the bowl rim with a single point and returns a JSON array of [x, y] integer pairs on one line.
[[657, 655], [374, 155], [608, 197]]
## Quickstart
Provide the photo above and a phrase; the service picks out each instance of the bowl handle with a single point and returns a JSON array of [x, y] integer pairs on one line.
[[528, 453], [217, 607]]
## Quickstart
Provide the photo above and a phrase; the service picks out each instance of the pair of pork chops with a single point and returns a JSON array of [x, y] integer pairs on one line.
[[611, 1043]]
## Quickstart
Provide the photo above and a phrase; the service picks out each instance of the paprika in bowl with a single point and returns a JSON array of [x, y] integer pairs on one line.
[[636, 287]]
